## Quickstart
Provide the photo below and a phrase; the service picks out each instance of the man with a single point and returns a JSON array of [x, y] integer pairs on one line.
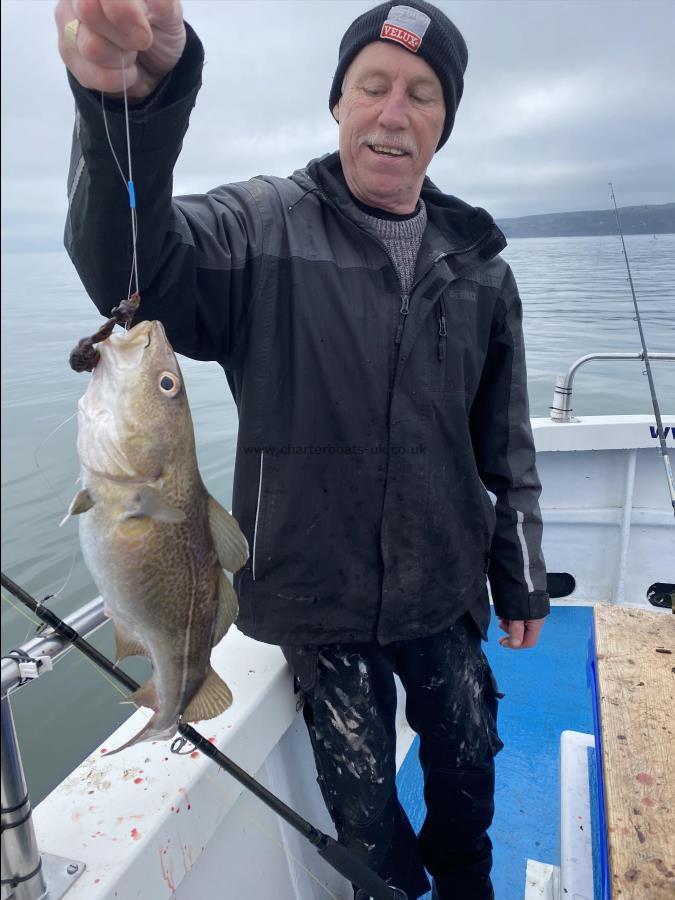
[[371, 336]]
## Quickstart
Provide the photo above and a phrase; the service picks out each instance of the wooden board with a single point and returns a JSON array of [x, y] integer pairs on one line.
[[636, 676]]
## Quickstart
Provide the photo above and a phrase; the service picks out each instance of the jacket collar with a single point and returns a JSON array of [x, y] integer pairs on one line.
[[455, 229]]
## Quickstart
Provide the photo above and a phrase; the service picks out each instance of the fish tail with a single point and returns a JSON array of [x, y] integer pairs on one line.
[[149, 732]]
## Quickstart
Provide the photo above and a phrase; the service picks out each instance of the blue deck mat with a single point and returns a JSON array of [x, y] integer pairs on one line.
[[546, 693]]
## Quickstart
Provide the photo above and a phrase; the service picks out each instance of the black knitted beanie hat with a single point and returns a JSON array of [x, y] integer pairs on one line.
[[421, 28]]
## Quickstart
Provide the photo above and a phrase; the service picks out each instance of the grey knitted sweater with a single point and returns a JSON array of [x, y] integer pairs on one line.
[[402, 238]]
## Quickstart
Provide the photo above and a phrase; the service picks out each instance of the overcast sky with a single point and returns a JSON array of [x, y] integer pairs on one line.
[[561, 96]]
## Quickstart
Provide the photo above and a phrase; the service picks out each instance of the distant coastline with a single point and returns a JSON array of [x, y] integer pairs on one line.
[[653, 219], [648, 219]]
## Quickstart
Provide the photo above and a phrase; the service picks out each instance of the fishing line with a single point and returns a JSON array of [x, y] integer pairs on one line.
[[275, 840], [663, 449], [128, 183], [58, 492], [37, 624]]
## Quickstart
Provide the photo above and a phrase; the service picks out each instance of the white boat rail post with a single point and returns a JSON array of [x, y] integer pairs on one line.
[[22, 876], [561, 409], [626, 516], [26, 873]]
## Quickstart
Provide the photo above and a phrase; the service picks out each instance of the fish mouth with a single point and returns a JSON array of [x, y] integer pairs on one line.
[[143, 329], [125, 348]]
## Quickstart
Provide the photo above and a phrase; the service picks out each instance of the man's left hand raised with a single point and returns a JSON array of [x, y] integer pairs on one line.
[[521, 634]]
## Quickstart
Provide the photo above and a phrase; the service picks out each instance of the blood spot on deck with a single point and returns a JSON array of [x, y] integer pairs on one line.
[[644, 778], [663, 868], [135, 834], [194, 754], [138, 780], [167, 869]]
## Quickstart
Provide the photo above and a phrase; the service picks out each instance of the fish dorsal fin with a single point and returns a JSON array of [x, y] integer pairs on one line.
[[228, 607], [230, 543], [148, 501], [127, 643], [144, 696], [213, 698], [81, 502]]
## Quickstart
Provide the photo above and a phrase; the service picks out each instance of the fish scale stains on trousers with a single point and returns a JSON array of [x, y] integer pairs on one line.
[[451, 702]]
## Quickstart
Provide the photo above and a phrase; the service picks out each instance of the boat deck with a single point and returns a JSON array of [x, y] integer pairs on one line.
[[634, 657], [548, 686]]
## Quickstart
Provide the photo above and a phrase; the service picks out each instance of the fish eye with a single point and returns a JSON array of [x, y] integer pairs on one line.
[[169, 384]]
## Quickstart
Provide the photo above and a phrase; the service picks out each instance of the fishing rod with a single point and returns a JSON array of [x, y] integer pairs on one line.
[[663, 449], [336, 854]]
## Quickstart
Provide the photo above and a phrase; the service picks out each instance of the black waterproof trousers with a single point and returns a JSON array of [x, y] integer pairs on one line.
[[451, 702]]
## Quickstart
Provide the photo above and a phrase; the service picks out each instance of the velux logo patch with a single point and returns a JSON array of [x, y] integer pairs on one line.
[[406, 26]]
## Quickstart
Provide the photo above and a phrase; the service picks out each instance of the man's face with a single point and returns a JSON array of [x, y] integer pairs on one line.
[[391, 116]]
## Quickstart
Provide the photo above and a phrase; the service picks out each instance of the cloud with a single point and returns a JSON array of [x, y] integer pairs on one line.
[[560, 97]]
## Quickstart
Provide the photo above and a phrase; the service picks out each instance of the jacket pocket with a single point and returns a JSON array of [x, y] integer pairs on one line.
[[491, 698], [490, 516], [258, 516], [303, 662]]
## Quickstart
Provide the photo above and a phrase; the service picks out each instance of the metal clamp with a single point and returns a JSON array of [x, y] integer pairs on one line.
[[30, 667]]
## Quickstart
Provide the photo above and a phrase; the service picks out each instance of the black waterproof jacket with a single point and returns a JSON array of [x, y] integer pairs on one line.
[[367, 436]]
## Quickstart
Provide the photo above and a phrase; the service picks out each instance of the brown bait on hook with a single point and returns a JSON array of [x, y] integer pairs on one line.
[[84, 357]]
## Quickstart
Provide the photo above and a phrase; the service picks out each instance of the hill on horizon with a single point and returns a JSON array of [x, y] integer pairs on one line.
[[648, 219]]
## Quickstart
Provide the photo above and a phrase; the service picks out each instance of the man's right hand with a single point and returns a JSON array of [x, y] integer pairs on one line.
[[150, 35]]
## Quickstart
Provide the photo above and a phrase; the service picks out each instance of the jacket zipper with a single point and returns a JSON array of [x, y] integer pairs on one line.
[[403, 312], [442, 330], [257, 512], [405, 298]]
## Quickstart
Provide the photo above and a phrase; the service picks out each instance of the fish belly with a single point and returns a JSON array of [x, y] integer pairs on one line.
[[159, 581]]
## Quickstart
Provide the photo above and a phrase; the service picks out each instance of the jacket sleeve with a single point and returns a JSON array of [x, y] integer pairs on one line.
[[199, 257], [505, 456]]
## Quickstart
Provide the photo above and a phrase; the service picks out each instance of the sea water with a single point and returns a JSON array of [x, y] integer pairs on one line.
[[576, 300]]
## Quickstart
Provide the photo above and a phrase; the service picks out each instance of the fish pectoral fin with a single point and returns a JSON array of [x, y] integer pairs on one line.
[[146, 695], [127, 643], [148, 501], [230, 543], [228, 607], [81, 502], [213, 698]]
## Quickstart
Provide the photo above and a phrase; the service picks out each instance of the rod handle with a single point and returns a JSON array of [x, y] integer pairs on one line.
[[353, 868]]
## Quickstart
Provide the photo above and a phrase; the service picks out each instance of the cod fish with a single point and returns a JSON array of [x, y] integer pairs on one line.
[[153, 539]]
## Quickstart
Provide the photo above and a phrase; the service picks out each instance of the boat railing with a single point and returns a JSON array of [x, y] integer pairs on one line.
[[561, 409], [26, 873]]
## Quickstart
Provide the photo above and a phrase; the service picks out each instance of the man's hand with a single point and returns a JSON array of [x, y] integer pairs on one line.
[[93, 35], [521, 634]]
